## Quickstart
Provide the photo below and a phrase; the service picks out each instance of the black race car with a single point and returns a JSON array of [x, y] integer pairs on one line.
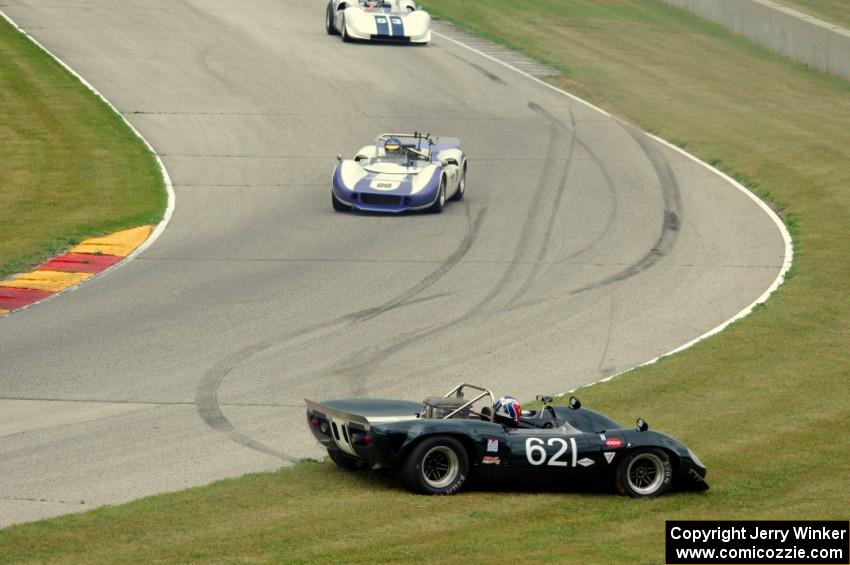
[[435, 445]]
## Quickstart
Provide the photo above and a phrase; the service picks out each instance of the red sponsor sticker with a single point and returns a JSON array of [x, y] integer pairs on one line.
[[613, 442], [490, 460]]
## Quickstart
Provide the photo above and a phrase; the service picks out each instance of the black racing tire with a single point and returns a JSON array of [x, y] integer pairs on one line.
[[329, 23], [344, 32], [644, 473], [344, 461], [437, 465], [461, 187], [440, 202], [338, 205]]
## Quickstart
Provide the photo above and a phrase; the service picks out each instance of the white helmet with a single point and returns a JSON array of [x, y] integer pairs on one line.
[[508, 406]]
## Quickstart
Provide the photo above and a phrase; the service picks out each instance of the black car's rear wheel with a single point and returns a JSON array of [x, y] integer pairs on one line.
[[437, 465], [645, 472], [344, 461]]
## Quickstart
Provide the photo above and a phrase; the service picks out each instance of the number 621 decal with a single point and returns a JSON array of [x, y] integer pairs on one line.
[[536, 453]]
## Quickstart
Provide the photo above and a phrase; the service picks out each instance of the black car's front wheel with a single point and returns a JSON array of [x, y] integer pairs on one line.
[[645, 472], [437, 465]]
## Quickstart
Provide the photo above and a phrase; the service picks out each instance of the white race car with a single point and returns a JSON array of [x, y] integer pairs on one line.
[[396, 21]]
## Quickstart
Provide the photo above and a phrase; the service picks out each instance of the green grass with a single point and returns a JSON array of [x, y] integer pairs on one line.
[[764, 403], [833, 11], [70, 167]]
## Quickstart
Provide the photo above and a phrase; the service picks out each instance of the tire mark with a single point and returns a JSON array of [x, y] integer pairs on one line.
[[524, 237], [358, 364], [474, 227], [612, 214], [479, 68], [206, 394], [551, 221], [609, 219], [672, 203], [206, 400], [606, 371], [528, 332]]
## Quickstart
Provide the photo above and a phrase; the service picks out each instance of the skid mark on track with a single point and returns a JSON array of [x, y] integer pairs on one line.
[[206, 399], [436, 275], [521, 249], [473, 351], [672, 203], [551, 221], [605, 371], [206, 394], [357, 366], [612, 213], [479, 68]]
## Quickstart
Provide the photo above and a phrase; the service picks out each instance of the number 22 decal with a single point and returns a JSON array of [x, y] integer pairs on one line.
[[536, 453]]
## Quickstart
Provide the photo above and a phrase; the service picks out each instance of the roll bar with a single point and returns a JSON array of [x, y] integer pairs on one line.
[[458, 392]]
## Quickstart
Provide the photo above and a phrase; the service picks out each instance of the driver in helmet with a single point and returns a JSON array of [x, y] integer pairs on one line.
[[392, 147], [509, 408]]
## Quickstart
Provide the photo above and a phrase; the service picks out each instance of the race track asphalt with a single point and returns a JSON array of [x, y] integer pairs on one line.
[[583, 248]]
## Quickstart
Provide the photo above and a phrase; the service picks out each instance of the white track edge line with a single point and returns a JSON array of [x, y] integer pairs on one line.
[[783, 229], [166, 178]]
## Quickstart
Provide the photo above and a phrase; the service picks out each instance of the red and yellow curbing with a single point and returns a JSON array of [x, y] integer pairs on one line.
[[59, 273]]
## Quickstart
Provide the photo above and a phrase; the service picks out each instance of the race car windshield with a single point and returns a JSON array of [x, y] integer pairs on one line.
[[373, 5], [402, 152]]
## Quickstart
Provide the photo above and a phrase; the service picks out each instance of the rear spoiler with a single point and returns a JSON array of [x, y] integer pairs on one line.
[[335, 414]]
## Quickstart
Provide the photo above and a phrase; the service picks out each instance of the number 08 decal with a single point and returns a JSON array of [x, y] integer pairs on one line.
[[536, 453]]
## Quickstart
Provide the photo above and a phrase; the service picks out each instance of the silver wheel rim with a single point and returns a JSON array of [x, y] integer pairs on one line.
[[462, 183], [645, 473], [442, 194], [440, 467]]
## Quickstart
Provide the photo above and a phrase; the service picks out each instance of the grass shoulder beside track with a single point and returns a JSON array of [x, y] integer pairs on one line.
[[832, 11], [70, 168], [764, 403]]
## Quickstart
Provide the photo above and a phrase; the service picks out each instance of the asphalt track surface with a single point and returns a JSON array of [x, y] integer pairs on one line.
[[583, 248]]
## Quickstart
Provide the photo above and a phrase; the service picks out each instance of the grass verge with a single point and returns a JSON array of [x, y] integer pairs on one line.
[[70, 168], [765, 403], [832, 11]]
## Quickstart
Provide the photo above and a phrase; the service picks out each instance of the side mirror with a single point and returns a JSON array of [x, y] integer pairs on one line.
[[641, 425], [575, 403], [339, 157]]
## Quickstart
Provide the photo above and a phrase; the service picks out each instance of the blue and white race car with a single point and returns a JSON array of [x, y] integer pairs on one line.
[[401, 172], [397, 21]]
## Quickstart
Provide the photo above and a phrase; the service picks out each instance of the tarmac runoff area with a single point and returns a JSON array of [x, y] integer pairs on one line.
[[81, 263]]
